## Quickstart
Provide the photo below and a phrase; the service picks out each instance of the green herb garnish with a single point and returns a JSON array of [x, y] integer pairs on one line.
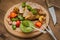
[[29, 8], [14, 19], [24, 4], [34, 11], [21, 17]]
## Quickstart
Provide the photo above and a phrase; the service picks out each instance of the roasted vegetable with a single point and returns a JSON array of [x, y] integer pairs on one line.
[[23, 4], [21, 17], [13, 27], [34, 11], [18, 23], [12, 15], [37, 16], [27, 29], [14, 19], [41, 18], [29, 8], [38, 24], [16, 9]]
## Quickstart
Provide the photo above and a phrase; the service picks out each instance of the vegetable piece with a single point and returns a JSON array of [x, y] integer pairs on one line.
[[18, 23], [38, 24], [21, 17], [16, 9], [34, 11], [12, 15], [10, 22], [14, 19], [23, 4], [14, 23], [27, 29], [37, 16], [41, 18], [14, 27], [29, 8], [25, 23]]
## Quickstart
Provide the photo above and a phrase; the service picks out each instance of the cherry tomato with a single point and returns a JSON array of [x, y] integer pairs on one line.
[[18, 23], [12, 15], [38, 24]]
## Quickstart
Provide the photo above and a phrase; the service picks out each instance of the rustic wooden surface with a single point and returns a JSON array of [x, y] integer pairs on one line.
[[6, 4]]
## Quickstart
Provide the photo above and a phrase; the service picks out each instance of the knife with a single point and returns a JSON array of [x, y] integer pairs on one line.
[[52, 11]]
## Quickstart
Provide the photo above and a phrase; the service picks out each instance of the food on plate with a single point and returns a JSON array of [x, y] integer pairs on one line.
[[18, 23], [38, 24], [12, 14], [27, 26], [26, 17], [16, 10], [20, 17], [13, 27], [24, 4]]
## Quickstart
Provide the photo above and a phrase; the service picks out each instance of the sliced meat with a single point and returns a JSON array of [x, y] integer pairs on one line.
[[26, 12], [40, 12], [30, 16], [21, 10]]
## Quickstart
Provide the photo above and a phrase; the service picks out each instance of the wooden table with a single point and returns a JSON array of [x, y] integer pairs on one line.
[[6, 4]]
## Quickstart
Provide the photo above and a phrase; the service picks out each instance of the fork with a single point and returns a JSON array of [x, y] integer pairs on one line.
[[48, 29], [50, 32]]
